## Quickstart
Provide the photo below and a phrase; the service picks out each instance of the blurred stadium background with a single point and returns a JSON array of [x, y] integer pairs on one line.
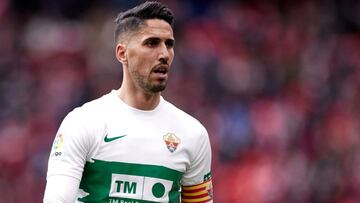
[[276, 83]]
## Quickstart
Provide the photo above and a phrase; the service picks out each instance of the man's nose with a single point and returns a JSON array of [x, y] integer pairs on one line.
[[164, 54]]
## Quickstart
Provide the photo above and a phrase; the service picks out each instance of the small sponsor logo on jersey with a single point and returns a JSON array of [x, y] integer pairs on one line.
[[140, 188], [109, 139], [171, 141], [207, 176], [58, 145]]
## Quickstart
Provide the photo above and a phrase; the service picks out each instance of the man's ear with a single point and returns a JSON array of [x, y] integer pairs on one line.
[[121, 53]]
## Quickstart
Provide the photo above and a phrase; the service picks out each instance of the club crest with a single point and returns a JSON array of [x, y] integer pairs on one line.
[[171, 141]]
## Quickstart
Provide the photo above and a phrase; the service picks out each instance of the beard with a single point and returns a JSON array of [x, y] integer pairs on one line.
[[146, 84]]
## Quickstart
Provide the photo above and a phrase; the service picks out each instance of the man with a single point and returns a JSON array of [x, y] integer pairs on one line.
[[131, 145]]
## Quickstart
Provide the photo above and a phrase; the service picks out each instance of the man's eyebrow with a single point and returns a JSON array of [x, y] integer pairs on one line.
[[171, 40], [151, 38], [158, 38]]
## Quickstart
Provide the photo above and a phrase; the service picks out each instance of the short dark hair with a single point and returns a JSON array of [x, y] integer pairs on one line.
[[132, 19]]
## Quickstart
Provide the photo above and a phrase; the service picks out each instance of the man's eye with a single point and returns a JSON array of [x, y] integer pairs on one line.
[[169, 43], [152, 43]]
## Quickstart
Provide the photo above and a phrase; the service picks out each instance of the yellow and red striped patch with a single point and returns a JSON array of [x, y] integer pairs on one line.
[[200, 193]]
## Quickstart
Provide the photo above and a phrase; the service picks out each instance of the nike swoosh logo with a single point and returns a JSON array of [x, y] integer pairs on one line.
[[106, 139]]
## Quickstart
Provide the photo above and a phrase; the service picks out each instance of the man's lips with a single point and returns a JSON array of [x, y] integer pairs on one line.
[[161, 69]]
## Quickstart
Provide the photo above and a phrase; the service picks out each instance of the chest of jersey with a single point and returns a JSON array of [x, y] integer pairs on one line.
[[138, 159], [143, 141]]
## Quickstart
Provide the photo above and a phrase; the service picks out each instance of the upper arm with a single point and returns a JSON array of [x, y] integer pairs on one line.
[[196, 182], [67, 159], [70, 148]]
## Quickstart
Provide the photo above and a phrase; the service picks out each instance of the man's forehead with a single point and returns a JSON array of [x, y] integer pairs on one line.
[[156, 28]]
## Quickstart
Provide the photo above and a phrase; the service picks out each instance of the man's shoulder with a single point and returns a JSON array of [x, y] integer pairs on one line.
[[183, 117], [93, 108]]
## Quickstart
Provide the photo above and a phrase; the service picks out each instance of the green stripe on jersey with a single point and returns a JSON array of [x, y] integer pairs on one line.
[[117, 182]]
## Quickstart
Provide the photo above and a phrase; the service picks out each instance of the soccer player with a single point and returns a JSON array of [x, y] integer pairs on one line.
[[131, 145]]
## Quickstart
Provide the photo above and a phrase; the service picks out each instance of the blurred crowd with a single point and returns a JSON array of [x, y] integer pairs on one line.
[[276, 83]]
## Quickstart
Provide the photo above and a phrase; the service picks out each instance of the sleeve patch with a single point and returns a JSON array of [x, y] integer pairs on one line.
[[199, 193], [57, 149]]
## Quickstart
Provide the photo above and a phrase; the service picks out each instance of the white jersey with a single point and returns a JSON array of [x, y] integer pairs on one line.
[[122, 154]]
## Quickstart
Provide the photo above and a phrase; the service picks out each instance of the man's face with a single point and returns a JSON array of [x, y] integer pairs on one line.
[[149, 53]]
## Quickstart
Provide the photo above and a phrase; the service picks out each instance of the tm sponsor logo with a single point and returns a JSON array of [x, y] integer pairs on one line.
[[122, 201]]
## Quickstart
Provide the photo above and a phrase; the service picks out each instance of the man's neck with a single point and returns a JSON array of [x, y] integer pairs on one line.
[[139, 99]]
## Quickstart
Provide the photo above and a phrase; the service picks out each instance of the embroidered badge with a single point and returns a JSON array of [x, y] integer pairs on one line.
[[171, 141]]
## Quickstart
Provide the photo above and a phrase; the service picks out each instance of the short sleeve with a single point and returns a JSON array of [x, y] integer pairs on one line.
[[196, 182]]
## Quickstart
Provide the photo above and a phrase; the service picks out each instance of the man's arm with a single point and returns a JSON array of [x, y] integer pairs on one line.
[[67, 159], [197, 193], [61, 189], [196, 184]]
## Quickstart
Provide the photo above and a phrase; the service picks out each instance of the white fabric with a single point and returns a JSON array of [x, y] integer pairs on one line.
[[61, 189], [80, 139]]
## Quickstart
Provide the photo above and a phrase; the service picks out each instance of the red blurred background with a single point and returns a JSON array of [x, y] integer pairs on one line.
[[276, 83]]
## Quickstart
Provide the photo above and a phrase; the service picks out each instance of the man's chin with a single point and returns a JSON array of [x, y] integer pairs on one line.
[[156, 88]]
